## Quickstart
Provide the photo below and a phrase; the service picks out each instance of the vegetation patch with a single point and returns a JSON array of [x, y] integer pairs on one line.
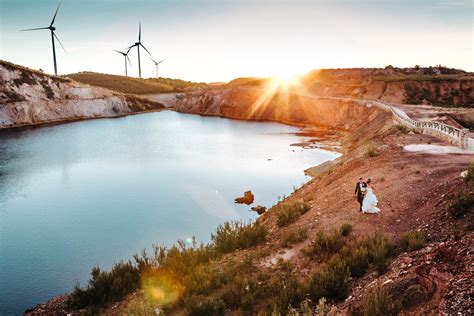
[[131, 85], [379, 303], [289, 212], [202, 280], [413, 240], [372, 151], [106, 287], [331, 280], [462, 204], [294, 236], [237, 235]]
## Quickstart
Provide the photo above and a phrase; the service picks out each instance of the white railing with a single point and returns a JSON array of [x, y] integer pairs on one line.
[[457, 136]]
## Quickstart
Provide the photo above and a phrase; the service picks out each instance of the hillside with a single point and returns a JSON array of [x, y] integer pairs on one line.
[[31, 97], [132, 85], [438, 86]]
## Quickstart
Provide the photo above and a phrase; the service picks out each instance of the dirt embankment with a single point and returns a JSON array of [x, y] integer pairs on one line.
[[29, 97]]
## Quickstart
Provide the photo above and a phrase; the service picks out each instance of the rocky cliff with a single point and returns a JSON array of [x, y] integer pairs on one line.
[[29, 97], [251, 103]]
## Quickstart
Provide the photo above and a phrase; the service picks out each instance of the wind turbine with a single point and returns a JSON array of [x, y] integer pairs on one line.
[[138, 44], [125, 55], [156, 64], [53, 36]]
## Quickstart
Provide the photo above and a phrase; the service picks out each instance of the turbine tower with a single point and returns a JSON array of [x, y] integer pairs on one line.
[[156, 64], [137, 45], [53, 36], [125, 55]]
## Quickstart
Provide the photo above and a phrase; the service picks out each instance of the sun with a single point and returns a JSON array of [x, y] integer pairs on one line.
[[287, 77]]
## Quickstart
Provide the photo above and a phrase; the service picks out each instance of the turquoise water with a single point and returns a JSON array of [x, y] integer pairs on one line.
[[94, 192]]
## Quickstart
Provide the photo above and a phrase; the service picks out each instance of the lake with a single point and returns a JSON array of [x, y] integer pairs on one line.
[[91, 193]]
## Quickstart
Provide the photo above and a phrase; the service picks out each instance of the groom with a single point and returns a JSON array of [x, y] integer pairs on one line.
[[360, 191]]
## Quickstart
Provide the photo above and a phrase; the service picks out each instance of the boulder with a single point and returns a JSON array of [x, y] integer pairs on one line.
[[246, 199], [259, 209]]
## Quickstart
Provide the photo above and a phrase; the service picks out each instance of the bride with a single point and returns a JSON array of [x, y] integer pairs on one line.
[[369, 204]]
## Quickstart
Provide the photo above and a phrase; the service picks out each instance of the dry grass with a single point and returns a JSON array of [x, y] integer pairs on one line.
[[132, 85]]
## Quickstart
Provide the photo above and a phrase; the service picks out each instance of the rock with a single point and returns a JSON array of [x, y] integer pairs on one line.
[[248, 198], [259, 209]]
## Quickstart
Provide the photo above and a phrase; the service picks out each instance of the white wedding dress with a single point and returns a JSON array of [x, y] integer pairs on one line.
[[369, 204]]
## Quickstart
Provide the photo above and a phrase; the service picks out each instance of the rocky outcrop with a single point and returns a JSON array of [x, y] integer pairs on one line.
[[248, 198], [248, 103], [29, 97]]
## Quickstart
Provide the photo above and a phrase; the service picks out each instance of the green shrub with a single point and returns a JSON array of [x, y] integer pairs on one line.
[[470, 174], [402, 129], [203, 306], [379, 303], [286, 292], [413, 240], [140, 307], [325, 243], [345, 229], [379, 251], [357, 259], [462, 204], [289, 212], [294, 236], [237, 235], [106, 287], [330, 280], [372, 151]]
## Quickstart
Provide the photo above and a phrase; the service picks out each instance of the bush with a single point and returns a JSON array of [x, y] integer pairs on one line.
[[345, 229], [357, 259], [470, 174], [379, 303], [379, 251], [325, 243], [413, 240], [106, 287], [330, 280], [286, 292], [203, 306], [462, 204], [237, 235], [372, 151], [294, 236], [402, 129], [289, 212]]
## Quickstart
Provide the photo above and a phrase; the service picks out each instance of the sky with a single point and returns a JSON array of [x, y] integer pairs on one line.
[[218, 40]]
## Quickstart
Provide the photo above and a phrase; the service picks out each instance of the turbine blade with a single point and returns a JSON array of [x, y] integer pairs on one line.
[[128, 59], [153, 60], [56, 37], [130, 47], [161, 61], [146, 50], [119, 52], [38, 28], [55, 13], [139, 31]]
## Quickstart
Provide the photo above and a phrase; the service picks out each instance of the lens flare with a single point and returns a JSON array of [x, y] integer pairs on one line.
[[161, 287]]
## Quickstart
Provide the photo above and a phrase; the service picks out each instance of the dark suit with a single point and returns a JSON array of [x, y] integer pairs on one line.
[[360, 193]]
